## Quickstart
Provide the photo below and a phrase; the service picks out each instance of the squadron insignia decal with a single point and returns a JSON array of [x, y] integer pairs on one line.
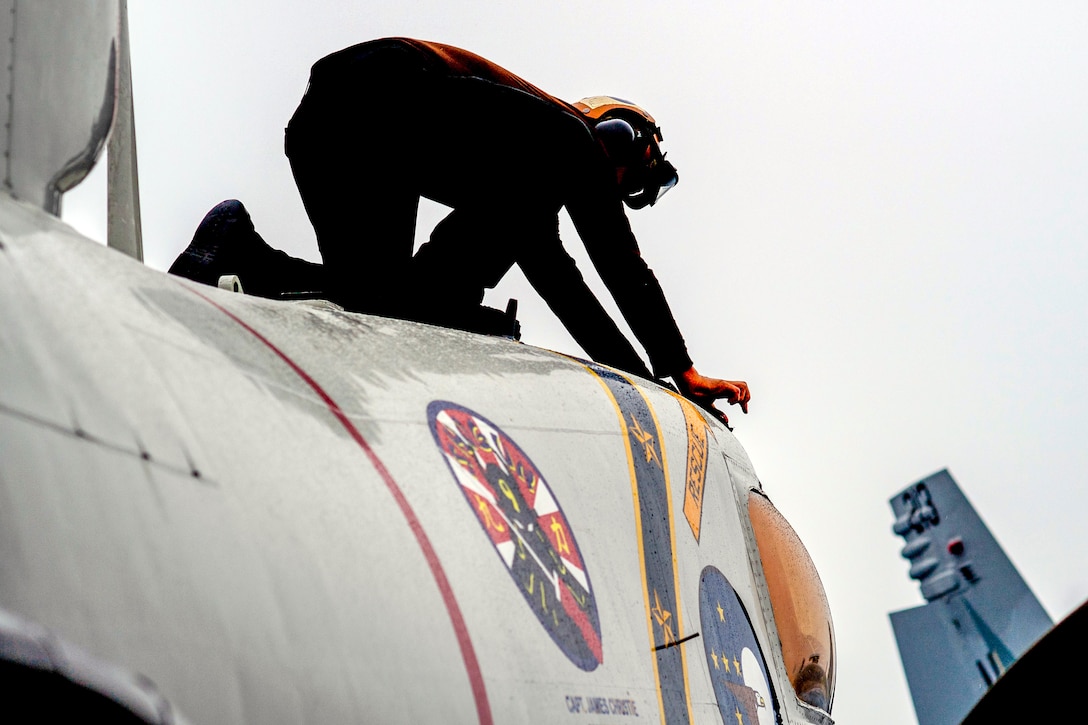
[[526, 525], [736, 664]]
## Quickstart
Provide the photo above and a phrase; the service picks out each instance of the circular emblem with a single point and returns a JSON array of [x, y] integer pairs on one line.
[[733, 657], [522, 518]]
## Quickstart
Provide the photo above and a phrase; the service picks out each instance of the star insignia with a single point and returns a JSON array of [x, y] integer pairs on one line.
[[663, 617], [647, 441]]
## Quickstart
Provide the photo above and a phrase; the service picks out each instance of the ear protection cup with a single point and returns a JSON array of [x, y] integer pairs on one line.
[[619, 140]]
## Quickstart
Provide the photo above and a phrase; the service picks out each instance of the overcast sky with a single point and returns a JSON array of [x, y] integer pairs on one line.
[[881, 225]]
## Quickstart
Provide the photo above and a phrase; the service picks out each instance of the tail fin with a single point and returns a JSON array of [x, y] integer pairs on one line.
[[980, 614]]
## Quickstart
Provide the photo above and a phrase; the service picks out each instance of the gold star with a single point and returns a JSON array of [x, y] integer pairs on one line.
[[721, 612], [736, 666], [647, 441], [663, 616], [714, 656], [740, 718], [725, 661]]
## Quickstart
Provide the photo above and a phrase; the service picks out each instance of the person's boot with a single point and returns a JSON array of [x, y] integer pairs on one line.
[[218, 245], [226, 243]]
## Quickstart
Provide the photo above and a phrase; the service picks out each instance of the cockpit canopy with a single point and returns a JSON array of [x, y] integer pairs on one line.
[[801, 611]]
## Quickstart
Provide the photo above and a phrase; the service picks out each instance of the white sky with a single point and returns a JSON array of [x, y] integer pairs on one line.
[[881, 225]]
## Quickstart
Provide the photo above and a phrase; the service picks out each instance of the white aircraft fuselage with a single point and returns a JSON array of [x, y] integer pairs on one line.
[[283, 512]]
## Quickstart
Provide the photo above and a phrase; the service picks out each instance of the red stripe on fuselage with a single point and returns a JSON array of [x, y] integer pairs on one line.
[[472, 666]]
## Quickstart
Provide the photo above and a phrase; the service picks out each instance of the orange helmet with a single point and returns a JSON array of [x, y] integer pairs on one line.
[[601, 108], [631, 137]]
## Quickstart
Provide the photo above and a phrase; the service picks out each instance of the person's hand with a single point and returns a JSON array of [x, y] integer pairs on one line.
[[703, 391]]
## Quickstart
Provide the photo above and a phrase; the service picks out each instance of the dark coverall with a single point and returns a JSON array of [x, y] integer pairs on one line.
[[388, 121]]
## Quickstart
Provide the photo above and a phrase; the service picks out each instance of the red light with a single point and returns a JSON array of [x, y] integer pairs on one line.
[[955, 546]]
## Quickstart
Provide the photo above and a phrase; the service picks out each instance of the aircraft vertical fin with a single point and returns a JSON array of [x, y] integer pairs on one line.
[[980, 615]]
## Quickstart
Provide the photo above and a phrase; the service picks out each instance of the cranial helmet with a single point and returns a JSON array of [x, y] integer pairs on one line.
[[630, 137]]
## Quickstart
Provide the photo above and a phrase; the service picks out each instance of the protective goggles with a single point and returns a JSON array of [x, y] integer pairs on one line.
[[654, 181]]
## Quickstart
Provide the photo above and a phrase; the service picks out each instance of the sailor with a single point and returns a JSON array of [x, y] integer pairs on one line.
[[389, 121]]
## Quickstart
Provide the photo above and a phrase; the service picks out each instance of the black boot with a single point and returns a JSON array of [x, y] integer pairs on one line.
[[226, 243]]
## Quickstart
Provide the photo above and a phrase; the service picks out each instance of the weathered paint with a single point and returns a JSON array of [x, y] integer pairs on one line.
[[186, 493]]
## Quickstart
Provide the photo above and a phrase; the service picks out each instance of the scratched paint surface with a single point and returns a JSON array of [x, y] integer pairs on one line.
[[737, 668], [524, 522]]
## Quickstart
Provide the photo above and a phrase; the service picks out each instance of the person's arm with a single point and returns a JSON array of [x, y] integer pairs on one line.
[[607, 234], [555, 276]]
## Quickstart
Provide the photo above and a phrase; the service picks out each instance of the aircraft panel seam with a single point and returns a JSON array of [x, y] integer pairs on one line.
[[87, 437], [10, 99]]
